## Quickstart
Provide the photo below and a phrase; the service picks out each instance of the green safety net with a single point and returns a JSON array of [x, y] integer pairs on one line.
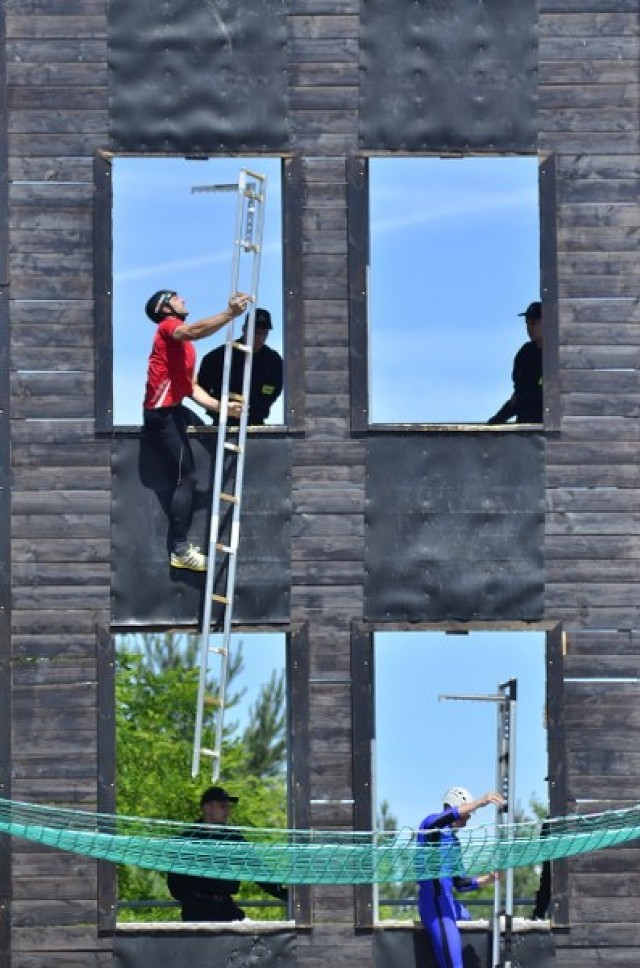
[[312, 856]]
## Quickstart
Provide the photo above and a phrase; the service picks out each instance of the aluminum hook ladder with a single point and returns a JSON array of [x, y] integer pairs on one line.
[[226, 494], [505, 701]]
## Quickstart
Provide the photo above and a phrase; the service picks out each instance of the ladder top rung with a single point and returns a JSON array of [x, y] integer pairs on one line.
[[206, 752], [212, 701], [237, 397], [242, 347], [218, 650], [220, 598], [250, 247], [236, 448], [230, 498]]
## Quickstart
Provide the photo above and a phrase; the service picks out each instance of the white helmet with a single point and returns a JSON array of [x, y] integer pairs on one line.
[[456, 796]]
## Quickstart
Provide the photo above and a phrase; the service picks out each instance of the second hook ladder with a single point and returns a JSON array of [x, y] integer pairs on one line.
[[226, 495]]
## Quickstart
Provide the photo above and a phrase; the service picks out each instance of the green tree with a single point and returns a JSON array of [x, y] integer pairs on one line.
[[264, 738], [156, 690], [388, 822]]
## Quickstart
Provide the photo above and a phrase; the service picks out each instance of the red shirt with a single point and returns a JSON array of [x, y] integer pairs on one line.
[[171, 367]]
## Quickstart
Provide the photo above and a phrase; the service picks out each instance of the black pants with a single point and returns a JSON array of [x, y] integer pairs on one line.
[[167, 428], [206, 909]]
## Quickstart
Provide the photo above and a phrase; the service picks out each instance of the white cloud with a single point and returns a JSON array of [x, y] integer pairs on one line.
[[427, 209]]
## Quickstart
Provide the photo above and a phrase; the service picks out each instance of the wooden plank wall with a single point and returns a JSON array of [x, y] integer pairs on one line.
[[328, 474], [56, 69], [589, 118], [57, 99]]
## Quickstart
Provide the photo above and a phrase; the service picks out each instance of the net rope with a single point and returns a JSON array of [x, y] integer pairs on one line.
[[312, 856]]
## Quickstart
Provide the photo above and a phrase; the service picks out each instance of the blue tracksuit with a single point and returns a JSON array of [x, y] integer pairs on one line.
[[438, 908]]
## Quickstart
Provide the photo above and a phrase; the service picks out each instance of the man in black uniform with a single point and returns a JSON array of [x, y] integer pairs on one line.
[[209, 898], [526, 402], [266, 371]]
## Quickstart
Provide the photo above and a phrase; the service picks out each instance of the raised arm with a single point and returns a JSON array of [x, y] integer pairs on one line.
[[211, 324], [466, 809]]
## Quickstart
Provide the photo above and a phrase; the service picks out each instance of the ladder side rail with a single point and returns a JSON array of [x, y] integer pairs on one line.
[[505, 777], [496, 932], [214, 521], [255, 282], [212, 558], [238, 488], [510, 692], [244, 211]]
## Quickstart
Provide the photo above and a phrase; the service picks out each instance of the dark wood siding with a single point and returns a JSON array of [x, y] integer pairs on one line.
[[589, 115], [57, 98], [55, 723]]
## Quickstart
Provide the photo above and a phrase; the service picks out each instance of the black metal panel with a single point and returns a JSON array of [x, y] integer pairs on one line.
[[106, 730], [206, 949], [358, 255], [103, 292], [363, 725], [454, 527], [292, 233], [557, 746], [298, 673], [410, 949], [547, 181], [145, 591], [197, 76], [449, 75]]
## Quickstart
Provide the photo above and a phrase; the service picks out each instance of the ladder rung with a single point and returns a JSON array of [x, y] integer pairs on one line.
[[207, 752], [250, 247], [226, 548], [217, 649], [242, 347], [237, 397], [212, 701], [230, 498], [220, 598], [236, 448]]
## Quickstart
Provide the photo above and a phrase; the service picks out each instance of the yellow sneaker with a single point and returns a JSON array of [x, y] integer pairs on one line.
[[192, 558]]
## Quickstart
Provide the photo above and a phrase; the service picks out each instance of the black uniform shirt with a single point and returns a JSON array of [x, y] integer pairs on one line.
[[266, 379], [527, 383]]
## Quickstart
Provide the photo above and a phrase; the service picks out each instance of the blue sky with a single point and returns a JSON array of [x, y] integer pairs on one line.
[[454, 259], [461, 236], [424, 744], [168, 237]]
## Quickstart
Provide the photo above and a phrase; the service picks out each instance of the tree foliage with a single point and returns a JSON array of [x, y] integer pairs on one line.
[[156, 692], [405, 890], [265, 738]]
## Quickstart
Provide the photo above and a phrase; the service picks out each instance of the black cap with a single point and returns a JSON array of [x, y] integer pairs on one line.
[[533, 311], [216, 794], [153, 307], [262, 319]]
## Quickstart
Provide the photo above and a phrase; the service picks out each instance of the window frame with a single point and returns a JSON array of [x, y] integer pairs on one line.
[[298, 776], [359, 244], [364, 737], [293, 343]]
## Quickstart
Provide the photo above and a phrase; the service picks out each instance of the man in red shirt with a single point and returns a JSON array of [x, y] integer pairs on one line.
[[171, 378]]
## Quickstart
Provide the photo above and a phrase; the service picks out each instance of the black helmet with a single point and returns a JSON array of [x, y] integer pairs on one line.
[[154, 305]]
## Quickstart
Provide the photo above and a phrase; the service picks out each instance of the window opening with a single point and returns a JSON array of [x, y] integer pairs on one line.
[[461, 238], [425, 745], [156, 685], [165, 234]]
